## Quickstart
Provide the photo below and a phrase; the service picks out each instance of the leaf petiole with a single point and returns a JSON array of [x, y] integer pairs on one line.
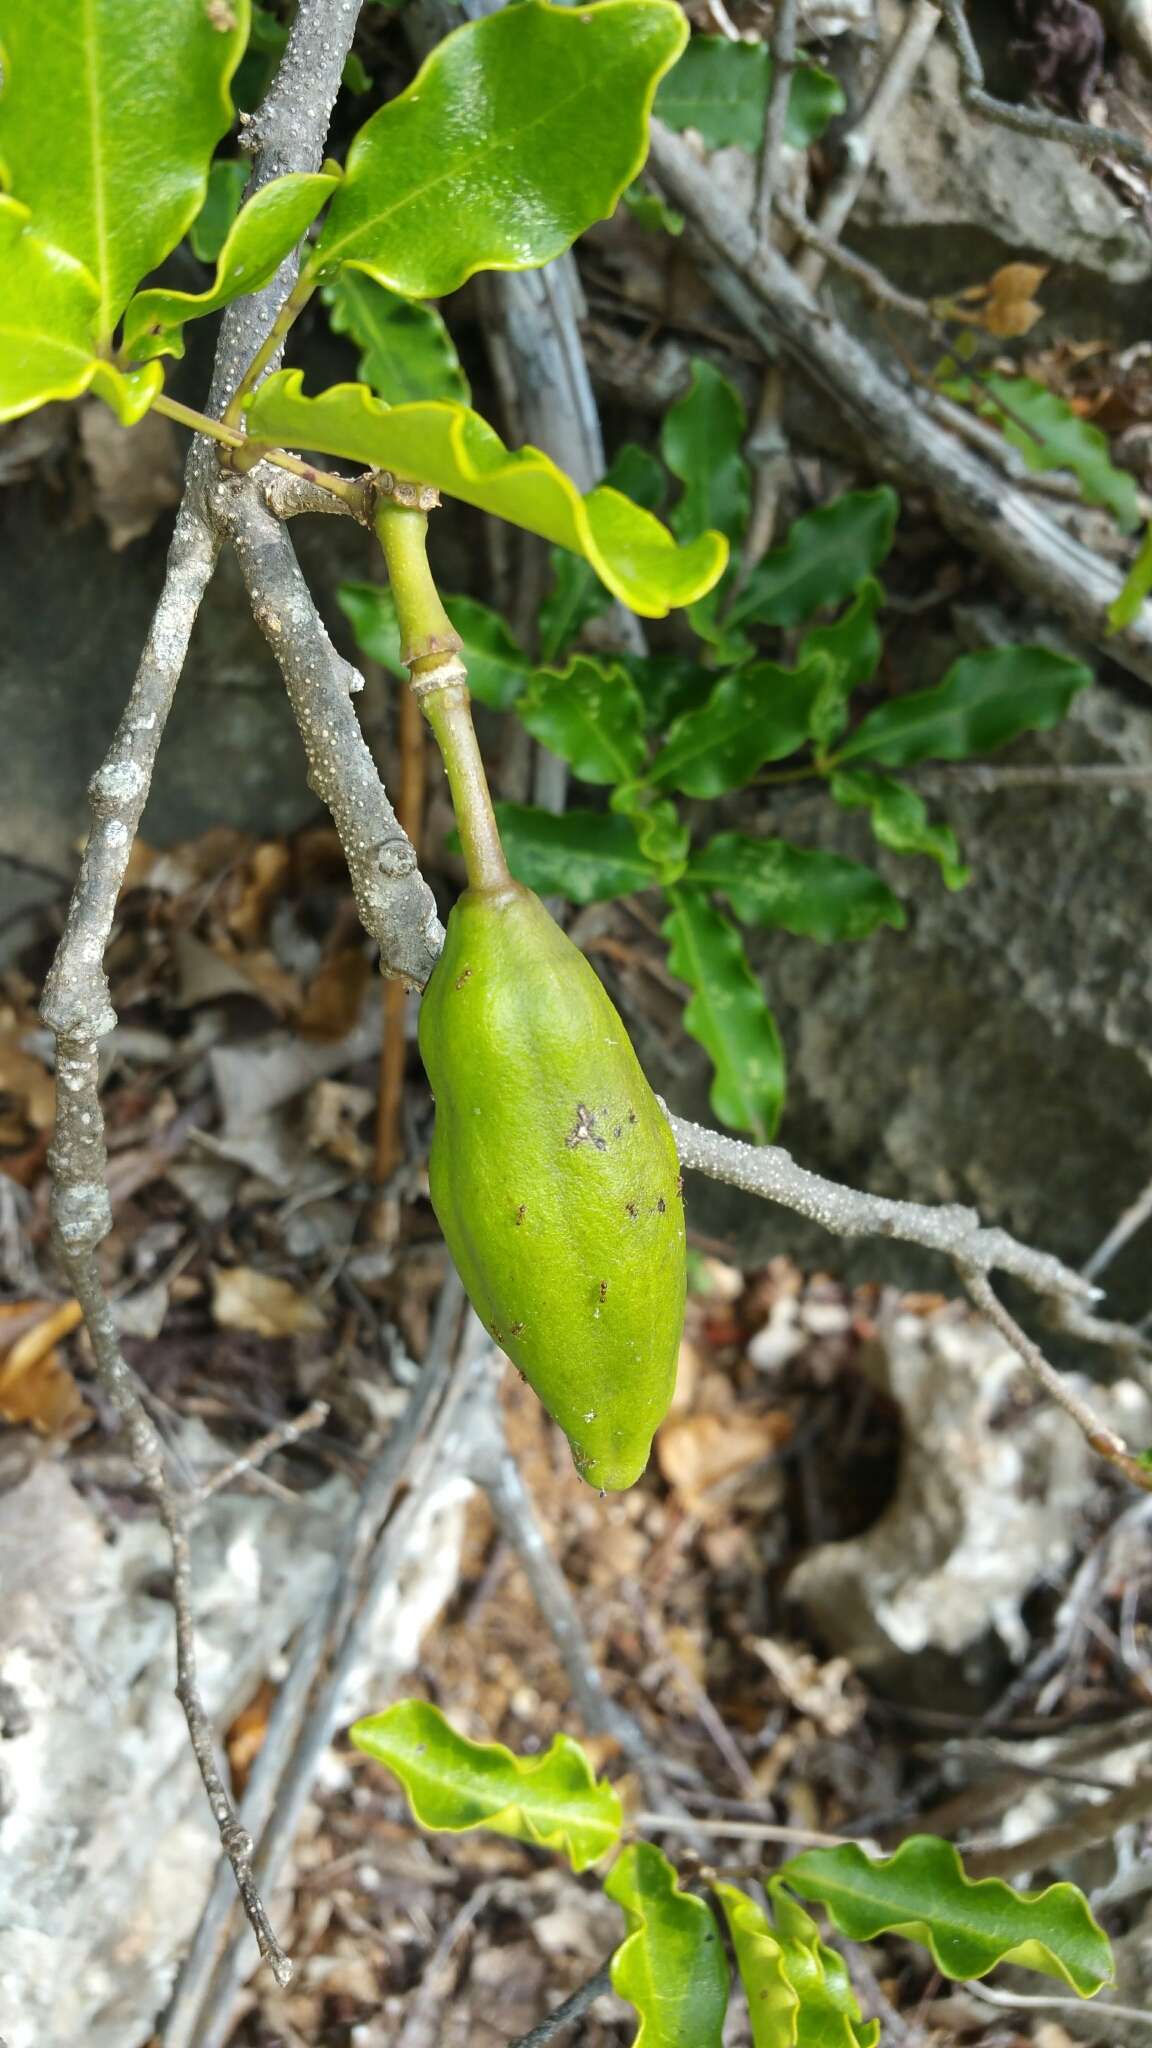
[[350, 489]]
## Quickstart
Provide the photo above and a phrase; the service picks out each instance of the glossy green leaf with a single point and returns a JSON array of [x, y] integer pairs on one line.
[[1051, 435], [661, 833], [727, 1015], [651, 212], [209, 231], [264, 232], [581, 855], [518, 132], [969, 1926], [701, 442], [591, 714], [497, 669], [49, 308], [461, 454], [827, 555], [109, 117], [669, 684], [753, 715], [577, 593], [815, 895], [984, 701], [1127, 607], [900, 819], [773, 2003], [721, 89], [554, 1800], [671, 1966], [853, 645], [406, 351]]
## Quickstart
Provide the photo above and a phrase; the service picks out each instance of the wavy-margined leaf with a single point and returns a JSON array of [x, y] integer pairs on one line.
[[589, 713], [773, 2003], [1138, 582], [498, 670], [453, 1784], [49, 310], [1050, 435], [900, 819], [853, 646], [108, 120], [969, 1925], [984, 701], [584, 856], [701, 442], [663, 836], [755, 714], [721, 89], [727, 1015], [827, 555], [406, 351], [208, 233], [517, 133], [671, 1965], [461, 454], [669, 684], [798, 1990], [261, 236], [577, 593], [813, 894]]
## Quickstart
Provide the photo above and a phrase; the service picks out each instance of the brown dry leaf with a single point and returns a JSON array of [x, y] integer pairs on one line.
[[828, 1693], [334, 997], [696, 1453], [25, 1078], [244, 1299], [208, 973], [1005, 306], [135, 470], [254, 888], [35, 1386], [245, 1738], [332, 1113]]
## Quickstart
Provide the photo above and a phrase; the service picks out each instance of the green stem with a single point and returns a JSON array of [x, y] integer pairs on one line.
[[350, 489], [429, 645], [289, 312]]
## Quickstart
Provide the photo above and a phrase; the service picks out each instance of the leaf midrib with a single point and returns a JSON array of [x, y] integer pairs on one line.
[[96, 136]]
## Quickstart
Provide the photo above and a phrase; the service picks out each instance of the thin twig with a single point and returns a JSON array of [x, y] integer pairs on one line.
[[776, 119], [1082, 136], [1017, 2001], [265, 1447], [566, 2015], [1101, 776], [1104, 1441], [1133, 1219], [859, 145], [742, 1830]]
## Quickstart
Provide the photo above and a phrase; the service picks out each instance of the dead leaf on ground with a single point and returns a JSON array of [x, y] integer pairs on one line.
[[135, 470], [333, 1113], [696, 1452], [245, 1738], [334, 997], [35, 1385], [829, 1694], [1005, 306], [244, 1299], [25, 1081], [253, 888]]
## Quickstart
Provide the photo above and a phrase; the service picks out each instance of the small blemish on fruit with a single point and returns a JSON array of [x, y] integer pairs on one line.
[[631, 1116], [619, 1131], [591, 1415], [462, 978], [520, 1213], [583, 1131], [603, 1290], [630, 1209], [680, 1185], [496, 1335], [661, 1205], [517, 1330]]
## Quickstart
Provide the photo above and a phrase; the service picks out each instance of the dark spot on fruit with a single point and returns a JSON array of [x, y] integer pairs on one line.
[[603, 1290], [583, 1131], [618, 1132], [462, 978], [661, 1205], [520, 1213], [680, 1185], [630, 1209], [631, 1116], [496, 1335], [517, 1330]]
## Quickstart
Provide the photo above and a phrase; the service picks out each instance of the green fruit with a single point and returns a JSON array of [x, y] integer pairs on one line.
[[555, 1178]]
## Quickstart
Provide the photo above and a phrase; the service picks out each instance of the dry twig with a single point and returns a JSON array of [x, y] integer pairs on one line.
[[1082, 136]]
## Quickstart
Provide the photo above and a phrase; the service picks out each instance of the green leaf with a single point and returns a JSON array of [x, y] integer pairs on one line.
[[591, 715], [1138, 582], [670, 684], [48, 321], [497, 669], [209, 231], [773, 2003], [827, 555], [968, 1926], [798, 1990], [461, 454], [1050, 435], [582, 855], [722, 88], [660, 831], [815, 895], [108, 122], [577, 593], [262, 235], [651, 212], [900, 820], [984, 701], [518, 132], [853, 646], [406, 351], [453, 1784], [753, 715], [727, 1015], [701, 442], [671, 1966]]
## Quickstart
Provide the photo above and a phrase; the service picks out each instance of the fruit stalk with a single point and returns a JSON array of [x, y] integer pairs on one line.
[[429, 648]]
